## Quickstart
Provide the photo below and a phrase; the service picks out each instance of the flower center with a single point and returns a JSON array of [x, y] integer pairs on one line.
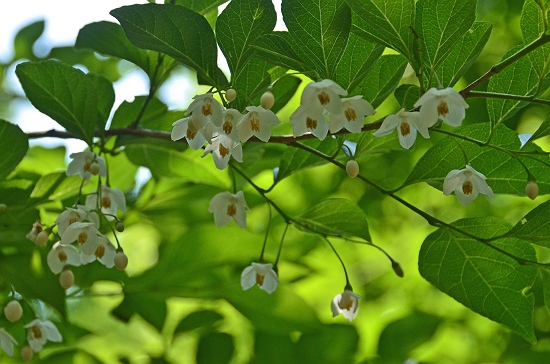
[[467, 187], [36, 332], [207, 107], [231, 210], [100, 251], [311, 123], [260, 279], [323, 97], [442, 108], [405, 128], [223, 150], [254, 122], [228, 124], [87, 165], [82, 238], [350, 114], [105, 202], [62, 256], [73, 218]]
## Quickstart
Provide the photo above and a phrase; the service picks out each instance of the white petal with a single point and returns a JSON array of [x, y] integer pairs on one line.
[[455, 116], [388, 125], [118, 198], [321, 130], [453, 181], [428, 112], [336, 122], [334, 306], [7, 342], [270, 281], [431, 93], [179, 129], [52, 333], [248, 278], [408, 140]]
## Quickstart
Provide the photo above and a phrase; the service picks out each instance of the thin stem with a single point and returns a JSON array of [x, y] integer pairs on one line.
[[266, 234], [280, 247], [496, 95], [341, 262], [152, 89]]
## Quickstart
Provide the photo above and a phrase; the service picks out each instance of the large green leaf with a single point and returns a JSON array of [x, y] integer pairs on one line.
[[407, 95], [480, 277], [201, 6], [150, 307], [251, 82], [319, 30], [532, 26], [177, 31], [335, 217], [337, 343], [156, 115], [275, 48], [25, 38], [15, 143], [386, 22], [464, 53], [535, 226], [79, 102], [239, 25]]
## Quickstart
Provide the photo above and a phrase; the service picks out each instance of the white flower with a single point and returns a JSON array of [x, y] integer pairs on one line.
[[227, 206], [82, 162], [71, 215], [407, 124], [305, 119], [446, 104], [84, 233], [261, 274], [323, 95], [7, 341], [467, 183], [231, 118], [187, 128], [346, 303], [222, 148], [104, 252], [352, 117], [60, 255], [205, 108], [111, 199], [40, 332], [258, 121], [36, 229]]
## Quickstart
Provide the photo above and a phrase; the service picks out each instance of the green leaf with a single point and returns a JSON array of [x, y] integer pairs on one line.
[[335, 217], [504, 173], [25, 38], [14, 140], [535, 226], [382, 79], [150, 307], [275, 48], [79, 102], [517, 79], [198, 319], [542, 131], [545, 273], [319, 30], [386, 22], [481, 278], [440, 24], [251, 82], [283, 90], [156, 115], [407, 95], [18, 218], [336, 343], [464, 53], [239, 25], [106, 66], [532, 26], [215, 348], [176, 31], [358, 59], [201, 6]]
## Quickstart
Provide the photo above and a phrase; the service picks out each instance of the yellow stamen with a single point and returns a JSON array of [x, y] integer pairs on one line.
[[467, 187], [231, 210], [223, 150], [228, 124], [36, 332], [105, 202], [82, 238], [405, 128], [350, 114], [259, 279], [100, 251], [207, 107], [254, 122], [442, 108], [311, 123], [324, 98], [62, 256]]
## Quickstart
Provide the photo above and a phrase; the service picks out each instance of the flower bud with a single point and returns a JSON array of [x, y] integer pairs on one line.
[[26, 353], [267, 100], [94, 168], [3, 208], [352, 168], [42, 238], [119, 226], [13, 311], [230, 95], [397, 269], [66, 279], [121, 260], [532, 190]]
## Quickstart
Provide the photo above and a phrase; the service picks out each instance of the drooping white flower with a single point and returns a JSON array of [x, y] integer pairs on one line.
[[323, 95], [446, 104], [231, 118], [40, 332], [205, 108], [304, 119], [36, 229], [354, 111], [7, 341], [186, 128], [346, 303], [82, 162], [60, 255], [258, 122], [222, 148], [71, 215], [111, 199], [261, 274], [467, 184], [227, 206], [407, 125], [104, 252], [85, 234]]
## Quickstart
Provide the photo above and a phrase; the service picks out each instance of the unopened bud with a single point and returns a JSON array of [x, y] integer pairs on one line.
[[3, 208], [26, 353], [121, 260], [119, 226], [66, 279], [230, 95], [352, 168], [94, 168], [267, 100], [13, 311], [532, 190], [397, 268], [42, 238]]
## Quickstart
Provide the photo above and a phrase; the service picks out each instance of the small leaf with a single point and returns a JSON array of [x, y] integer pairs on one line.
[[14, 140], [251, 82], [335, 217], [199, 319], [79, 102], [407, 95], [542, 131], [382, 79], [156, 115], [25, 38], [283, 90], [481, 278], [535, 226]]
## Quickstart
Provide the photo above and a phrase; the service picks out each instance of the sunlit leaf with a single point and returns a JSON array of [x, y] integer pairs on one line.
[[535, 226], [25, 38], [382, 79], [155, 116]]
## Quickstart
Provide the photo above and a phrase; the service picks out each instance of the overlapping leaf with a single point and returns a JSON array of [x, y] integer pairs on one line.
[[14, 140], [535, 226], [275, 48], [156, 115], [382, 79], [532, 26], [25, 38]]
